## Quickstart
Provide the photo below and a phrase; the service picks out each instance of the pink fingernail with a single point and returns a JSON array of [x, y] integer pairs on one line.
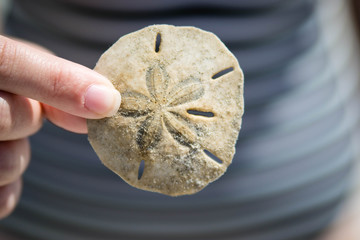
[[102, 100]]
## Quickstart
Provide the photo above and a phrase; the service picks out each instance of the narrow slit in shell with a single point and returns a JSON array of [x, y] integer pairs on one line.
[[200, 113], [222, 72], [141, 169], [213, 156], [157, 42]]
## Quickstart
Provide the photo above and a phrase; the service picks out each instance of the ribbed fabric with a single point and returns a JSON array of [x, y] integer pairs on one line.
[[294, 153]]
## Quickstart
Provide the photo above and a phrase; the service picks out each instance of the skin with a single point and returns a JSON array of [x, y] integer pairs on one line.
[[36, 85]]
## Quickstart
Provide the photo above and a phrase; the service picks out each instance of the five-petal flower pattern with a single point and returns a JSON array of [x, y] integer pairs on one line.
[[157, 109]]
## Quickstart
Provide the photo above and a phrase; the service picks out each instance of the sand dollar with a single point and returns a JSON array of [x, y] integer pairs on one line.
[[182, 103]]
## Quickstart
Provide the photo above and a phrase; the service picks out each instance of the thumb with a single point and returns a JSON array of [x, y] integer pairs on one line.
[[62, 84]]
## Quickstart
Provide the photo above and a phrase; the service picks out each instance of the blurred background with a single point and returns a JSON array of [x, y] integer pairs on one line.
[[296, 171]]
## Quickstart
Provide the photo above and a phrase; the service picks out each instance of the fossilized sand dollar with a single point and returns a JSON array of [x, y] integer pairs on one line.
[[182, 103]]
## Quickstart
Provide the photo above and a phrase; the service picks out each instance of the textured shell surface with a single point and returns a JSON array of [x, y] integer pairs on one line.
[[182, 103]]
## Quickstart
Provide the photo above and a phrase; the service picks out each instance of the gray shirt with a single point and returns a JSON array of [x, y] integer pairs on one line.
[[294, 152]]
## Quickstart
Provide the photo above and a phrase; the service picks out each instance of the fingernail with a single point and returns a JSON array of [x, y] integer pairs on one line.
[[102, 100]]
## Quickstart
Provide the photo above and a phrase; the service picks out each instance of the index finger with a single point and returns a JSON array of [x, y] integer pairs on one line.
[[65, 85]]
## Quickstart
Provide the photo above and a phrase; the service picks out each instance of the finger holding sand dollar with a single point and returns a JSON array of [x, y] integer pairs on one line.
[[182, 103]]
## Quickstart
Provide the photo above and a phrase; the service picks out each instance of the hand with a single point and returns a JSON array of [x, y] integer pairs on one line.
[[35, 85]]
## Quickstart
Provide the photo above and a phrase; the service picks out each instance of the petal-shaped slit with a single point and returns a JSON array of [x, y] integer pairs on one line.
[[134, 104], [149, 133], [186, 91], [157, 81], [179, 130]]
